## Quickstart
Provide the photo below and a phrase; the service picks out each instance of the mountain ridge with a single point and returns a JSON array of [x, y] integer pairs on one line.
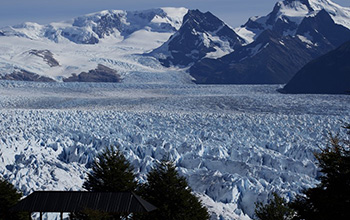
[[328, 74], [266, 50], [200, 35], [112, 38], [98, 25], [303, 33]]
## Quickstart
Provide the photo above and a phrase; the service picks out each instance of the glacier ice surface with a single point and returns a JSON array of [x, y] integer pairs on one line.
[[235, 144]]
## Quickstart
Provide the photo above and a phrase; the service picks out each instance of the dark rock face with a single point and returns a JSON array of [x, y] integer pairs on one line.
[[329, 74], [323, 30], [1, 33], [100, 74], [104, 26], [22, 75], [47, 57], [268, 60], [193, 40]]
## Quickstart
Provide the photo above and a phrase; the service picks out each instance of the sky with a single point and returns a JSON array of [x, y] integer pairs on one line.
[[233, 12]]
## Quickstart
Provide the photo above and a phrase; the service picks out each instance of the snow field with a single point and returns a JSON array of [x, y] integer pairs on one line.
[[123, 38]]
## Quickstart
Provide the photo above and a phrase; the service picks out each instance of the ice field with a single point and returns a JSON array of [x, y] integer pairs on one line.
[[235, 144]]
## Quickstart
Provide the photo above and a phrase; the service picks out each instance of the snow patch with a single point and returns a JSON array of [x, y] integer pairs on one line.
[[248, 35], [295, 11], [305, 39], [176, 15]]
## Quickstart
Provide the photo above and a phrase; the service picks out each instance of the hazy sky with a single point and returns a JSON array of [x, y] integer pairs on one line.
[[233, 12]]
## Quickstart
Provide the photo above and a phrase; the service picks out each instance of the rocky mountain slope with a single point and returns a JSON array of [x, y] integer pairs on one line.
[[329, 74], [201, 35], [279, 44], [153, 45]]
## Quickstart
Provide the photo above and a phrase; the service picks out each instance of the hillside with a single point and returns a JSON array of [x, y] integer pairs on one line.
[[329, 74]]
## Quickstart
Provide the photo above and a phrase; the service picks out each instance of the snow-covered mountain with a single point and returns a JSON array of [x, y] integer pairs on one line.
[[110, 38], [287, 16], [293, 34], [92, 28], [201, 35], [269, 59], [175, 45]]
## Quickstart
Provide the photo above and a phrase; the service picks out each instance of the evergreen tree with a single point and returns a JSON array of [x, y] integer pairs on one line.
[[276, 209], [9, 196], [111, 172], [331, 198], [172, 196]]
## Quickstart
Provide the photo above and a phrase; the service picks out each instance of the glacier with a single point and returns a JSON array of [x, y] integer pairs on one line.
[[235, 144]]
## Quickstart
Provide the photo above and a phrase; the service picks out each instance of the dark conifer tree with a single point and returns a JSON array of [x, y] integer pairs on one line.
[[170, 193], [111, 172], [9, 196], [331, 198], [276, 209]]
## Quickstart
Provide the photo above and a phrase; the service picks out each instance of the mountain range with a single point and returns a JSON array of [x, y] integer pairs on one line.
[[154, 45], [113, 39], [279, 44]]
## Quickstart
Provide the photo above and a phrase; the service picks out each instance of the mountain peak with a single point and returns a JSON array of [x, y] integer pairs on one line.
[[106, 22], [201, 35], [287, 15], [203, 21]]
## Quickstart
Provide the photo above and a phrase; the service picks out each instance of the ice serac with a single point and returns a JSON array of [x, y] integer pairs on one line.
[[329, 74], [234, 144], [201, 35], [293, 34]]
